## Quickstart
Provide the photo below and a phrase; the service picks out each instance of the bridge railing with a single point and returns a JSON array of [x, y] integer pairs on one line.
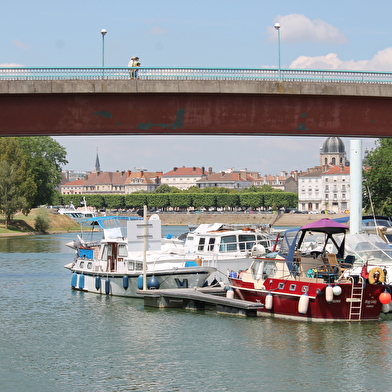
[[192, 73]]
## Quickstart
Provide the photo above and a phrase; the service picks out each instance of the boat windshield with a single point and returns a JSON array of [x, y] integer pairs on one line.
[[368, 247]]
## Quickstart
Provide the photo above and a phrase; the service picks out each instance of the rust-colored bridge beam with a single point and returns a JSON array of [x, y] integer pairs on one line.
[[151, 107]]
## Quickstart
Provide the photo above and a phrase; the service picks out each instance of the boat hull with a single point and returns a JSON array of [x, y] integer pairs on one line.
[[127, 285], [286, 301]]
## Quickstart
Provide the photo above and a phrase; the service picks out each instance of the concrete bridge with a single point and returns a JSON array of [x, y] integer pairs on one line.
[[107, 101]]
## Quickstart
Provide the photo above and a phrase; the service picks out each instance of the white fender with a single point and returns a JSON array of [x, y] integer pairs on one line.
[[303, 303], [269, 300], [337, 290], [385, 308], [230, 293], [329, 293]]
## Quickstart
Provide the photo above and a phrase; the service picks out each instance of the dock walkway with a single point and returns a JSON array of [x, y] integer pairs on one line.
[[197, 298]]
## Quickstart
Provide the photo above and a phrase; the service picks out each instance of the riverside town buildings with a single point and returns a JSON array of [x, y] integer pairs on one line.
[[323, 187]]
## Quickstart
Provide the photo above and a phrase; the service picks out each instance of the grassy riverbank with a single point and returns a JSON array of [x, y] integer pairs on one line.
[[24, 225]]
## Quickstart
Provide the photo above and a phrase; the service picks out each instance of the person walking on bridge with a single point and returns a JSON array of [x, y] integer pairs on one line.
[[132, 64]]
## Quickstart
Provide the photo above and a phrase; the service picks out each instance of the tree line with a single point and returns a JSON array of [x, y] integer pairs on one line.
[[182, 201]]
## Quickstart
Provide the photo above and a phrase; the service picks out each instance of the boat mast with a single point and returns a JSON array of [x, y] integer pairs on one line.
[[145, 248], [356, 186]]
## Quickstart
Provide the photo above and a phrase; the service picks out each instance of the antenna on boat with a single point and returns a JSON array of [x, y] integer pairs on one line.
[[371, 205]]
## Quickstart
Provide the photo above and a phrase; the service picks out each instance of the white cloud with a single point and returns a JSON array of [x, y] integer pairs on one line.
[[19, 44], [299, 28], [156, 30], [11, 65], [382, 61]]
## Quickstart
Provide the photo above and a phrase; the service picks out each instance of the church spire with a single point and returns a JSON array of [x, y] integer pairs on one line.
[[97, 165]]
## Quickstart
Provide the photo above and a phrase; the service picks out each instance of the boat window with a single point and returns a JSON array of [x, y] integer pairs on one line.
[[131, 265], [202, 241], [122, 250], [105, 252], [281, 286], [257, 269], [211, 244], [270, 269], [81, 264], [228, 244], [89, 265], [139, 266], [292, 287], [246, 241], [263, 241], [305, 289]]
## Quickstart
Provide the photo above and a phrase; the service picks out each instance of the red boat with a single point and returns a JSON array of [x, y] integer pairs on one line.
[[309, 279]]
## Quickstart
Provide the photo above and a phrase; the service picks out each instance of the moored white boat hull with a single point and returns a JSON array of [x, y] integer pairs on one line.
[[127, 285]]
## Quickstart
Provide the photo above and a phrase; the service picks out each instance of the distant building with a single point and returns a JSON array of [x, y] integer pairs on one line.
[[232, 180], [336, 188], [73, 175], [142, 181], [276, 181], [72, 187], [310, 190], [124, 182], [184, 177], [326, 187]]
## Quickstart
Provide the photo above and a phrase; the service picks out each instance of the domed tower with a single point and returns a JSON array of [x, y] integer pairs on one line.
[[333, 152]]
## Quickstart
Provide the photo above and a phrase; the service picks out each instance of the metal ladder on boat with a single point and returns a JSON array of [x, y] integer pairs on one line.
[[357, 289]]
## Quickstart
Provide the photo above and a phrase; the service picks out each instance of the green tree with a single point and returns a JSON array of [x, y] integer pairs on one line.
[[17, 187], [180, 200], [193, 189], [227, 200], [158, 200], [135, 200], [44, 157], [205, 200], [115, 201], [42, 220], [378, 178], [163, 188]]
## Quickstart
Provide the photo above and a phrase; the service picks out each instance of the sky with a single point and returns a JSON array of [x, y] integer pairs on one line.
[[347, 35]]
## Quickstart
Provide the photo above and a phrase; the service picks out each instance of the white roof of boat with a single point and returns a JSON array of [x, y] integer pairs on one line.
[[206, 227]]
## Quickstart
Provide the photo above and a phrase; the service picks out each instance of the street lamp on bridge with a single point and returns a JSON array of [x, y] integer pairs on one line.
[[103, 32], [277, 27]]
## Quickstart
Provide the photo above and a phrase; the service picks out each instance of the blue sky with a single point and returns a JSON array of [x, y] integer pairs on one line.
[[354, 35]]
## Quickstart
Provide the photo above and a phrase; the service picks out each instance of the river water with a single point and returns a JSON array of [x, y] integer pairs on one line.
[[56, 339]]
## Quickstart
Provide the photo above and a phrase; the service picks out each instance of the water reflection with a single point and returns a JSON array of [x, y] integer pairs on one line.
[[34, 244]]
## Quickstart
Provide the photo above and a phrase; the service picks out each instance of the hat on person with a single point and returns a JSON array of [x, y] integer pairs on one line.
[[133, 58]]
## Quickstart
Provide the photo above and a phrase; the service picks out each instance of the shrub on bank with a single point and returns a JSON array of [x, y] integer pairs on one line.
[[42, 220]]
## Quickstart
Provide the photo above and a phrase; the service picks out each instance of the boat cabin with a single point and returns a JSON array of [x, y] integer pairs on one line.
[[218, 239]]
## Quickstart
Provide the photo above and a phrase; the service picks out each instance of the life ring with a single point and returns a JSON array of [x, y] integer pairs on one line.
[[373, 278]]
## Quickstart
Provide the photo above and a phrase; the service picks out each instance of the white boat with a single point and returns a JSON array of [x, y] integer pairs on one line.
[[228, 248], [132, 256], [380, 225], [370, 251], [78, 215]]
